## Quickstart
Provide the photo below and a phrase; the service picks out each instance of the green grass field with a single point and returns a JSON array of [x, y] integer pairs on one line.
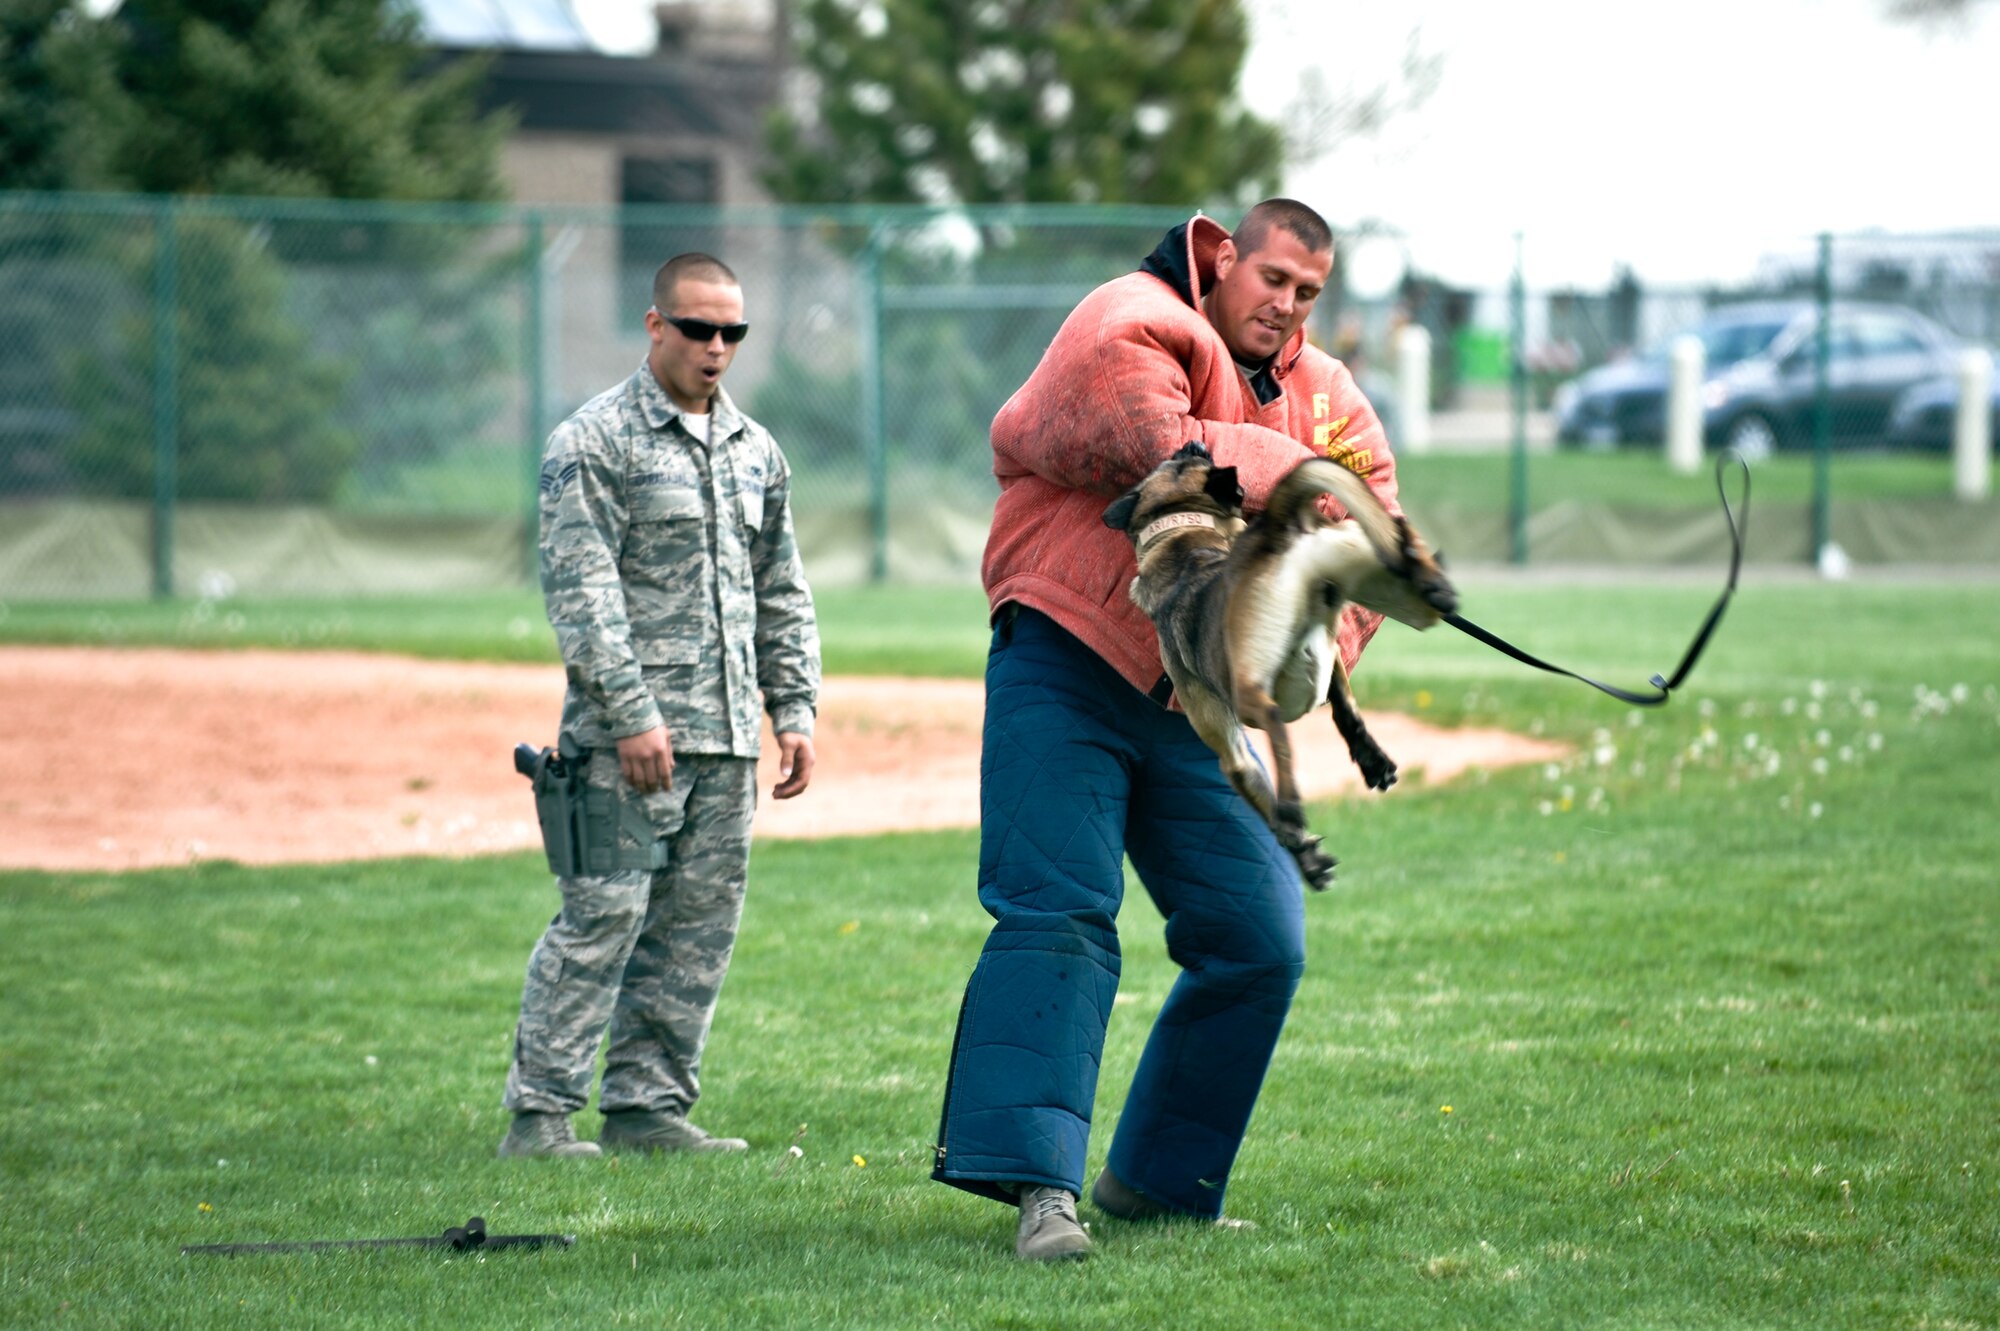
[[1640, 478], [887, 630], [1476, 478], [1693, 1028]]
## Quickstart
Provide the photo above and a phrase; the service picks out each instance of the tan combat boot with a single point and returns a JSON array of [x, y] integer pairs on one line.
[[647, 1131], [544, 1134]]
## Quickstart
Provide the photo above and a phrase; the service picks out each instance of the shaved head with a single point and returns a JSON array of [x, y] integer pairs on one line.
[[1288, 215], [701, 267]]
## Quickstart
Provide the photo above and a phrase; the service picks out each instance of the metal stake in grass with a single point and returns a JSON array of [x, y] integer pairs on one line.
[[471, 1235]]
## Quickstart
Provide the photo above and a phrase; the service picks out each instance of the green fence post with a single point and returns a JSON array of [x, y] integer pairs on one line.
[[166, 394], [874, 430], [1517, 373], [1822, 502], [533, 353]]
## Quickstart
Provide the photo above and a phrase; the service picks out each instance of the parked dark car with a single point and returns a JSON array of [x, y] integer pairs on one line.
[[1925, 415], [1758, 379]]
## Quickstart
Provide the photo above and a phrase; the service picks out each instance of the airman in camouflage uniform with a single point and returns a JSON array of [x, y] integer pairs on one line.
[[672, 579]]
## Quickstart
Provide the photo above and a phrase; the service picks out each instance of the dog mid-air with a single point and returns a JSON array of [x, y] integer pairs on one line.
[[1246, 612]]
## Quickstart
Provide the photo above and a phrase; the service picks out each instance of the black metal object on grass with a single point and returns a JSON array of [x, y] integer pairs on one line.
[[468, 1237]]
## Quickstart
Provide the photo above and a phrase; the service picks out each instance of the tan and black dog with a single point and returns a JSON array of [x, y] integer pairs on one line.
[[1246, 612]]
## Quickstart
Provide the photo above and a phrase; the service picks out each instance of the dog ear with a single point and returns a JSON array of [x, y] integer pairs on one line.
[[1118, 516], [1193, 448], [1223, 489]]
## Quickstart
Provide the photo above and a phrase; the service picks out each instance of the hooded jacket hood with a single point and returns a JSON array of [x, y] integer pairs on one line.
[[1185, 258]]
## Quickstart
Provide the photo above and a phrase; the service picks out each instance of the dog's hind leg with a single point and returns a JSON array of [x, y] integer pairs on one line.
[[1221, 731], [1255, 704], [1377, 768], [1287, 817]]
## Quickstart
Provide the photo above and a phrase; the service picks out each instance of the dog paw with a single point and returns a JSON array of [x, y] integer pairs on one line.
[[1315, 865], [1378, 770]]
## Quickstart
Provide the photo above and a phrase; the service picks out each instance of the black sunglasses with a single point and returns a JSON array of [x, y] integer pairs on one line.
[[701, 330]]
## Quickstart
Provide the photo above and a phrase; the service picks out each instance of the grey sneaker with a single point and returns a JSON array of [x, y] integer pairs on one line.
[[544, 1134], [1049, 1230], [647, 1131], [1111, 1196]]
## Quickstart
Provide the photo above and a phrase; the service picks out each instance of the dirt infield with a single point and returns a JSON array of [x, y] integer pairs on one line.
[[122, 759]]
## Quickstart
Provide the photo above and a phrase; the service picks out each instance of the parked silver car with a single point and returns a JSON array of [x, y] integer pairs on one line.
[[1759, 380], [1925, 415]]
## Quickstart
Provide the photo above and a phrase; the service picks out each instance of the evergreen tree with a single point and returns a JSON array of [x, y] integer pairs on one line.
[[32, 33], [280, 380], [296, 98], [258, 409], [1022, 101]]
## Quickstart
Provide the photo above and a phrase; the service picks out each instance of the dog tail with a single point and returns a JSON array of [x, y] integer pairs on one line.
[[1301, 488]]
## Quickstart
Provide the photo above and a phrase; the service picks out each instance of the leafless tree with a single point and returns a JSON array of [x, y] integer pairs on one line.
[[1931, 11], [1322, 117]]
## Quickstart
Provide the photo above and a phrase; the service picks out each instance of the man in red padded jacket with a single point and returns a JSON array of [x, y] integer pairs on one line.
[[1084, 763]]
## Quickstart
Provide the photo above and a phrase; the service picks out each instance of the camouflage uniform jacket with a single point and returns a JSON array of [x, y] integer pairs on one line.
[[672, 577]]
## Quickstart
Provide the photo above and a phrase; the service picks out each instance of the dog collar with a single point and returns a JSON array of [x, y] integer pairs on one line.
[[1158, 526]]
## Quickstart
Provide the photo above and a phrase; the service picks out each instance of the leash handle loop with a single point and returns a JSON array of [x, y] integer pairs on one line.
[[1664, 685]]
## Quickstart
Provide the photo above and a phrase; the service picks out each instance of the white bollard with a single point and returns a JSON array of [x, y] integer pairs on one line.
[[1685, 363], [1972, 433], [1413, 388]]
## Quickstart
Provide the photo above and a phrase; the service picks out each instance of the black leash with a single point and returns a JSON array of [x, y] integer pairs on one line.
[[459, 1238], [1665, 686]]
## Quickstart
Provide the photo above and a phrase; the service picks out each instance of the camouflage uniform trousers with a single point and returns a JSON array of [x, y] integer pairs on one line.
[[643, 951]]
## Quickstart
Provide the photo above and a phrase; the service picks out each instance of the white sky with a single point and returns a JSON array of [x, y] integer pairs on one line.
[[1683, 137]]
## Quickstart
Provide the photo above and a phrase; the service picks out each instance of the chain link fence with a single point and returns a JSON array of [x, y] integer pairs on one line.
[[212, 397], [1834, 365], [206, 397]]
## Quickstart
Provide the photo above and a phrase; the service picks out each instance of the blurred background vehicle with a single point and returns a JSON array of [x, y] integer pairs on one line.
[[1759, 379], [1923, 415]]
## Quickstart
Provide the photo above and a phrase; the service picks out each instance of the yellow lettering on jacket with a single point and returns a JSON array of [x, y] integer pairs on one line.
[[1327, 435], [1321, 401], [1360, 462]]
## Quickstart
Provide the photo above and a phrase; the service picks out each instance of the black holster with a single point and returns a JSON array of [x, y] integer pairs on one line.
[[580, 822]]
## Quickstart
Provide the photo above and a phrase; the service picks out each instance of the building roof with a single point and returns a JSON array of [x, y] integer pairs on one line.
[[555, 77], [520, 25]]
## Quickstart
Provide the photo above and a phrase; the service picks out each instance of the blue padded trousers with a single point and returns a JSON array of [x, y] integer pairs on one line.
[[1078, 770]]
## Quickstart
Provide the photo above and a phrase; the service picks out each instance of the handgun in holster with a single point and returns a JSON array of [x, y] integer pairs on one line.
[[580, 822]]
